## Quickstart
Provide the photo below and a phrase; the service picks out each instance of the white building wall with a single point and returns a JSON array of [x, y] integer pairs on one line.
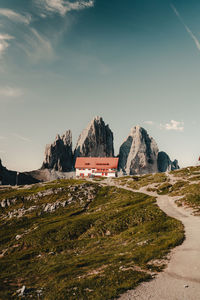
[[87, 173]]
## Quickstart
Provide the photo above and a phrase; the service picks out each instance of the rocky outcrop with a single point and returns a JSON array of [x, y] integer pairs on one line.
[[165, 164], [138, 154], [175, 165], [58, 155], [82, 194], [96, 140]]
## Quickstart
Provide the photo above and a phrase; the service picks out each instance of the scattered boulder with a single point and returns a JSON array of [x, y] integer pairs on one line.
[[83, 194], [7, 202], [21, 291]]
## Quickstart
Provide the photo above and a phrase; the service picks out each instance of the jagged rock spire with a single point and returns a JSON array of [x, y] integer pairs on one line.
[[58, 155], [96, 140], [138, 154]]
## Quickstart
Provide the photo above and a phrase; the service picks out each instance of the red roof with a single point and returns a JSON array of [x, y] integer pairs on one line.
[[96, 162]]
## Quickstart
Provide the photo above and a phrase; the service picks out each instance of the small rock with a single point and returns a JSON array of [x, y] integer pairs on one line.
[[186, 286], [18, 237], [22, 291], [3, 203]]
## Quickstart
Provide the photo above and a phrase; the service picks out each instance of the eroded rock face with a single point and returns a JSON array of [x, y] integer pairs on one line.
[[138, 154], [175, 165], [165, 164], [96, 140], [58, 155]]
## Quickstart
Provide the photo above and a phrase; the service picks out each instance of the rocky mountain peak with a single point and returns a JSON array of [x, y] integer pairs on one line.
[[96, 140], [58, 155], [138, 154]]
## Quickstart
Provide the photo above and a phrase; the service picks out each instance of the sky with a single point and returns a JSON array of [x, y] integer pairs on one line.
[[133, 62]]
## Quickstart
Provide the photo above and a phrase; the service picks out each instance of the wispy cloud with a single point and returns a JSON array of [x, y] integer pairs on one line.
[[14, 16], [62, 7], [173, 125], [2, 151], [11, 92], [4, 42], [22, 138], [149, 122], [36, 46], [192, 35]]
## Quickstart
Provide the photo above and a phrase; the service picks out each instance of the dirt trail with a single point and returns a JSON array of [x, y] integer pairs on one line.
[[181, 279]]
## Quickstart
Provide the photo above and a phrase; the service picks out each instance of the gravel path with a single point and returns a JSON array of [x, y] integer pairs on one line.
[[181, 279]]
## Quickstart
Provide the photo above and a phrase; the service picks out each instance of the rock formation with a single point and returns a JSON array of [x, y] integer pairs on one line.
[[96, 140], [138, 154], [165, 164], [58, 155]]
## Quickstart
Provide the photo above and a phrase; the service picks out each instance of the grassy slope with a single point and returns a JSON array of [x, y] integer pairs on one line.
[[187, 185], [96, 253], [137, 182]]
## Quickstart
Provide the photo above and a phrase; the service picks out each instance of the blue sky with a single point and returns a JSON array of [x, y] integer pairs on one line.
[[131, 62]]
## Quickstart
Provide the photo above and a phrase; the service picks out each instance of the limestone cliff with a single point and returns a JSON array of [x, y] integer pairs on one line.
[[58, 155], [138, 154], [96, 140]]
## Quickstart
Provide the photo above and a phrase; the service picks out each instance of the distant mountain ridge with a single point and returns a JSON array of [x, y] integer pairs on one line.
[[138, 154]]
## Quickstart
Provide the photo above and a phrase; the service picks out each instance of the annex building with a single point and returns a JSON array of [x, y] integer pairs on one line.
[[96, 166]]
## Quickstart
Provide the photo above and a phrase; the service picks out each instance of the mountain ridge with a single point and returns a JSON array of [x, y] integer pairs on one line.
[[138, 154]]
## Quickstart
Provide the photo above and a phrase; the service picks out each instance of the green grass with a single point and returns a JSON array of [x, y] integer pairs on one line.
[[164, 188], [75, 253], [191, 196], [187, 172], [137, 182]]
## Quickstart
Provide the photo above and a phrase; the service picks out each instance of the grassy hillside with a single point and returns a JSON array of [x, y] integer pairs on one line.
[[183, 183], [77, 240]]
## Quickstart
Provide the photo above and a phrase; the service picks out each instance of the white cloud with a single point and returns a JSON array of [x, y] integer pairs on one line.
[[4, 44], [2, 151], [195, 39], [62, 7], [36, 46], [13, 16], [10, 92], [149, 122], [22, 138], [173, 125]]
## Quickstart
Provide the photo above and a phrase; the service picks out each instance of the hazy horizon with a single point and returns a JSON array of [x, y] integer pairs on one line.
[[64, 62]]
